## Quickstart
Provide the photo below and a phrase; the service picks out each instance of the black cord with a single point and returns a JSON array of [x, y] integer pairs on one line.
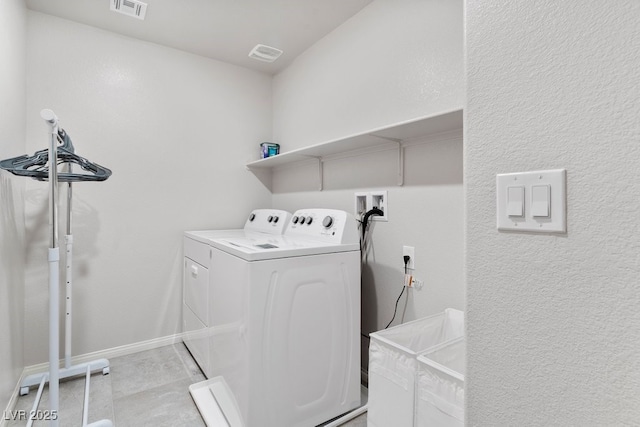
[[395, 310], [364, 223], [365, 219]]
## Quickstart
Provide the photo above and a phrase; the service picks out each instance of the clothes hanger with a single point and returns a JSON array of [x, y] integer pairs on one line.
[[37, 167]]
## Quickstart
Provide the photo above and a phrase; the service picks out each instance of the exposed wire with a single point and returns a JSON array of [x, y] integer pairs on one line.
[[406, 303], [395, 310]]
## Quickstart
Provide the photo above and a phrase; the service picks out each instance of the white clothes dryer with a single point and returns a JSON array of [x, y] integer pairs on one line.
[[284, 320], [196, 293]]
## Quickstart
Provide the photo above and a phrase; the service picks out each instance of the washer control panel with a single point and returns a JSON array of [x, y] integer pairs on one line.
[[330, 225], [272, 221]]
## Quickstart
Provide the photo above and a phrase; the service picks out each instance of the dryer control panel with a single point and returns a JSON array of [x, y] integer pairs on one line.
[[272, 221], [329, 225]]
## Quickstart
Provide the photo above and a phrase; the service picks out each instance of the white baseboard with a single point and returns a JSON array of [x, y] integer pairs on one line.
[[122, 350]]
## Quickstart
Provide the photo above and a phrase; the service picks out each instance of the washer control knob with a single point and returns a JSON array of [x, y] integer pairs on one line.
[[270, 218], [252, 217], [275, 219], [302, 219], [294, 219], [327, 222], [309, 220]]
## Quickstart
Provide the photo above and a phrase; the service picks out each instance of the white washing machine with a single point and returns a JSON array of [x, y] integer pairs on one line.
[[196, 301], [285, 320]]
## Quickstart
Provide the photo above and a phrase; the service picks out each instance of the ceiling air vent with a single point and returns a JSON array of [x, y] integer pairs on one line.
[[265, 53], [133, 8]]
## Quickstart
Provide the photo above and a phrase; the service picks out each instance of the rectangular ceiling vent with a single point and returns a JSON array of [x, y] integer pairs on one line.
[[133, 8], [265, 53]]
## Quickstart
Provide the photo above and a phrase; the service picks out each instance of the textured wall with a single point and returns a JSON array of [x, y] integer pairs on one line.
[[13, 29], [392, 62], [176, 129], [553, 321]]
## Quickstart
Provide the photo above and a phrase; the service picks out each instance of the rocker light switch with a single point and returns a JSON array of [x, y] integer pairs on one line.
[[533, 201], [515, 201], [540, 198]]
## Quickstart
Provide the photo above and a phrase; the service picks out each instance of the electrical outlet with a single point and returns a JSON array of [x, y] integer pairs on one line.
[[411, 252]]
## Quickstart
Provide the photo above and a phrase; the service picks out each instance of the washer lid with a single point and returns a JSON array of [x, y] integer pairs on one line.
[[205, 236], [260, 247], [259, 221]]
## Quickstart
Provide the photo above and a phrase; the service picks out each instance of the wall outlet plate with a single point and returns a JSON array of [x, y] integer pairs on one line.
[[360, 204], [379, 200], [367, 200], [532, 201], [411, 252]]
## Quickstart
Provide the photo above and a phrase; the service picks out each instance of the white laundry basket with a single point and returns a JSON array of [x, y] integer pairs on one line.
[[440, 386], [393, 365]]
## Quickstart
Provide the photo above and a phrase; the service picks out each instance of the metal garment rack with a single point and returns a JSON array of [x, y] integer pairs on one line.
[[55, 372]]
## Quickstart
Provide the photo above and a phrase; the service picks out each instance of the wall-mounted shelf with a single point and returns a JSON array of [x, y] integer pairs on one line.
[[398, 133]]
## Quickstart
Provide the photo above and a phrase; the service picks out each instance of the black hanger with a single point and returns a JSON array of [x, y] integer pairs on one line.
[[37, 166]]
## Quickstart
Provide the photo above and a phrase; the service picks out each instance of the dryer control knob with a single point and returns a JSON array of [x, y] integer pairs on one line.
[[309, 220], [327, 222], [270, 218], [252, 217], [302, 219], [294, 219]]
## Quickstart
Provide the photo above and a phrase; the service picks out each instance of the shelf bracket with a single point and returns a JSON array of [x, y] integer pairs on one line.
[[400, 163], [320, 173], [400, 177]]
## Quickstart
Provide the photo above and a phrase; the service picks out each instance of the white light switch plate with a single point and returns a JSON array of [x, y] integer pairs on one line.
[[556, 222]]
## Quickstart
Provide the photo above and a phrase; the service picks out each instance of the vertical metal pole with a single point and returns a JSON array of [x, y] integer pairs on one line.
[[53, 187], [69, 197], [54, 270], [69, 281]]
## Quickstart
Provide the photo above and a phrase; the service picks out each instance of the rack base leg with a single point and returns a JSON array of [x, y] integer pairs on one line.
[[101, 423], [75, 370]]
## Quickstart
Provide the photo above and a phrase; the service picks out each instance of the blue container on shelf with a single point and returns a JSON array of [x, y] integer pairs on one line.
[[268, 149]]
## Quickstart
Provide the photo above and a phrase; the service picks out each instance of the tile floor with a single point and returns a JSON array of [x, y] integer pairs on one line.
[[149, 388]]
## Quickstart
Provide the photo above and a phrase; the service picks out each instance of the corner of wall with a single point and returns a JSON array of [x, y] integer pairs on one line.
[[12, 143]]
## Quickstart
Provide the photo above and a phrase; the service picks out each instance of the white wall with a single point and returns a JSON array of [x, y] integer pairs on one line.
[[392, 62], [13, 30], [553, 321], [176, 129]]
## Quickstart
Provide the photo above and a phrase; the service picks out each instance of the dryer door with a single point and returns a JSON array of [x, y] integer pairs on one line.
[[195, 312], [196, 289]]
